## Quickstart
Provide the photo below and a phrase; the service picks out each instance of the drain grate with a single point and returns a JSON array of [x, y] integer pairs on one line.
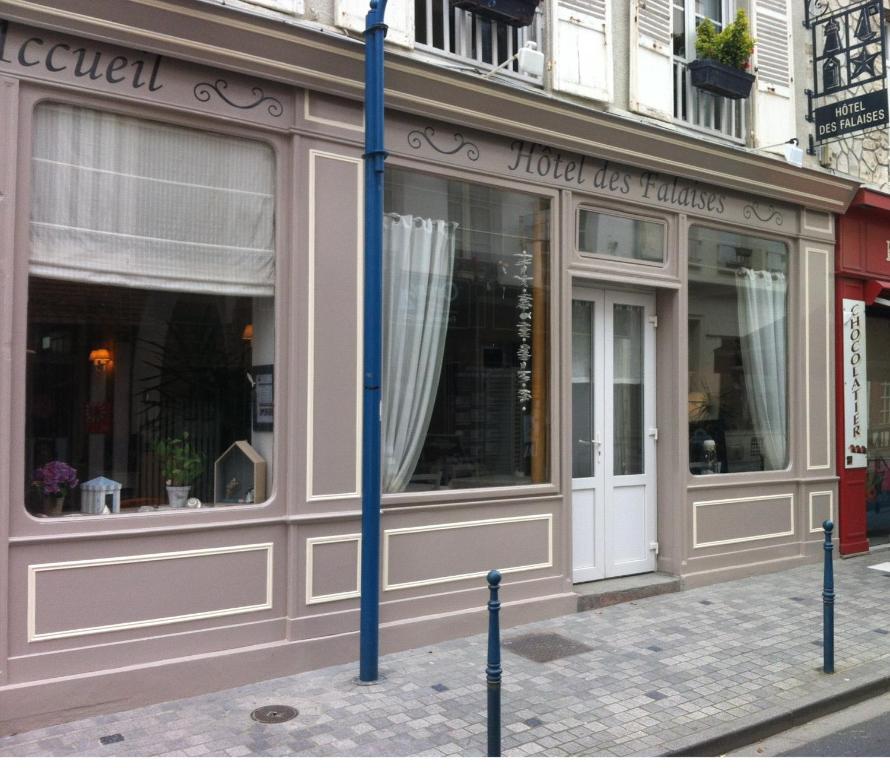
[[274, 713], [545, 646]]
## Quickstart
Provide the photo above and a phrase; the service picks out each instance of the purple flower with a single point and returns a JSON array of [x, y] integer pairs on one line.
[[55, 478]]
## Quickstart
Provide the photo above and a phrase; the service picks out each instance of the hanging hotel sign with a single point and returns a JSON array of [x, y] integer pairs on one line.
[[855, 386], [849, 94]]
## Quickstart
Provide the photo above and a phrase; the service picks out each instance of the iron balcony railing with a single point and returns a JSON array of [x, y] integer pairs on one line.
[[706, 112], [441, 29]]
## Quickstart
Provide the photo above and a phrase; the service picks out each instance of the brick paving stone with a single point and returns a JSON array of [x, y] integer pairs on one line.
[[716, 664]]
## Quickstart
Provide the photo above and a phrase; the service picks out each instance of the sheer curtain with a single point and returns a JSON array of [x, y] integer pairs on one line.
[[120, 201], [418, 258], [762, 328]]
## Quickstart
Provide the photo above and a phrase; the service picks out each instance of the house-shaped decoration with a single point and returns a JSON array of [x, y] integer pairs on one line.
[[239, 475], [94, 496]]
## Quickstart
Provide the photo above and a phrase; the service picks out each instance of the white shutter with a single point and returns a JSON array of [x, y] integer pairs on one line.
[[399, 17], [774, 95], [582, 53], [651, 59]]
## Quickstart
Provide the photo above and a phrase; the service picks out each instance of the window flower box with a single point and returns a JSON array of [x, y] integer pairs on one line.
[[516, 13], [720, 79]]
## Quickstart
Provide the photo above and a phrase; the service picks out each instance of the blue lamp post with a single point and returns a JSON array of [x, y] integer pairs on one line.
[[375, 156]]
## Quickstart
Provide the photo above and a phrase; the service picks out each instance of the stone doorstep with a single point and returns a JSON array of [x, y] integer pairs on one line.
[[599, 594]]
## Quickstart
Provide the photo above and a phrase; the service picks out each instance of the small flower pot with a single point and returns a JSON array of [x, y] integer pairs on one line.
[[712, 76], [515, 13], [52, 505], [177, 495]]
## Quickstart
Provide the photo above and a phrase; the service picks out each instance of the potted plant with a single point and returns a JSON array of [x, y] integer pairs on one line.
[[516, 13], [54, 479], [723, 58], [181, 464]]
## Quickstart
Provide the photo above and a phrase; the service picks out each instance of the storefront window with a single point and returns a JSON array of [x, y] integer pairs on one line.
[[877, 491], [150, 316], [738, 353], [465, 365]]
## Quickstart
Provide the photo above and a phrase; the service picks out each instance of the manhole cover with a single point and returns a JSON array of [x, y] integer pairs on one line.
[[545, 646], [274, 713]]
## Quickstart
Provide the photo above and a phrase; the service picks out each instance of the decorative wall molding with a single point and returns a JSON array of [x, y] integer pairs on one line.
[[37, 568], [696, 506], [417, 138], [316, 541], [389, 586], [204, 92]]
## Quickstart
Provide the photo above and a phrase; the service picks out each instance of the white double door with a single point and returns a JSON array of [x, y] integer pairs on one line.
[[613, 433]]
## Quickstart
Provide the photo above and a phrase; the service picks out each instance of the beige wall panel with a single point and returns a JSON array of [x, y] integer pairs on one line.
[[80, 597], [821, 508], [818, 224], [321, 111], [333, 407], [745, 519], [818, 338], [333, 568], [451, 551]]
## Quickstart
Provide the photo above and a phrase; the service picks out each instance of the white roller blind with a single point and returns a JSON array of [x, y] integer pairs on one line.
[[582, 54], [651, 65], [127, 202]]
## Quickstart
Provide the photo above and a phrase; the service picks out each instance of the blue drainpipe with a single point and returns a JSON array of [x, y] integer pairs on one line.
[[375, 156]]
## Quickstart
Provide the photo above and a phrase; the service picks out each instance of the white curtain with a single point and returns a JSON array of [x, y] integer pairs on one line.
[[127, 202], [762, 328], [418, 258]]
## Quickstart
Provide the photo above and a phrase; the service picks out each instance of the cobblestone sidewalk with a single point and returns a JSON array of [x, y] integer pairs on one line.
[[641, 678]]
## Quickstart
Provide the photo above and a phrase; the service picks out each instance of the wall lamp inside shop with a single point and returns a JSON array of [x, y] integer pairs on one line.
[[101, 359], [247, 333]]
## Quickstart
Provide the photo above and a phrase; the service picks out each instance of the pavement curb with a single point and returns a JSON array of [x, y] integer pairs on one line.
[[719, 740]]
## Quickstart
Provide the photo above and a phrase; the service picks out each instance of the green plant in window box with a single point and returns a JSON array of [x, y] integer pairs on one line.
[[181, 464], [723, 58]]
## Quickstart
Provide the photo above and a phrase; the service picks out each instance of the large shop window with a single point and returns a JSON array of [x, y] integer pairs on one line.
[[150, 316], [465, 363], [738, 353]]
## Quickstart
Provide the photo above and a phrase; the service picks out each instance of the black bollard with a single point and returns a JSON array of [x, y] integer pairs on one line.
[[493, 670], [828, 603]]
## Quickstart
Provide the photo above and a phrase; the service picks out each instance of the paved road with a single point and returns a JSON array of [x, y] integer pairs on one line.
[[641, 678], [859, 731]]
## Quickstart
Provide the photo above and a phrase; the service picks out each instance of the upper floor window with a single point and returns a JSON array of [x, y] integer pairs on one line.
[[441, 26], [150, 315], [706, 111]]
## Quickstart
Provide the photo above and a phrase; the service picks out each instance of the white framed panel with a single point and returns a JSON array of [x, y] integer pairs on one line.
[[699, 505], [816, 522], [817, 311], [388, 535], [315, 157], [34, 571], [310, 117], [319, 541]]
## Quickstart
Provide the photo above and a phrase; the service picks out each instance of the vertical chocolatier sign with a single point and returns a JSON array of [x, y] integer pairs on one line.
[[849, 93], [855, 386]]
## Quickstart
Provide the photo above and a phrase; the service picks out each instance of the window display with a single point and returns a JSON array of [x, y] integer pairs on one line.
[[152, 250], [466, 323], [738, 353]]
